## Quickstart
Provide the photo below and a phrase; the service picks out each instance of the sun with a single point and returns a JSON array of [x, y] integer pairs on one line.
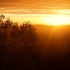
[[58, 20]]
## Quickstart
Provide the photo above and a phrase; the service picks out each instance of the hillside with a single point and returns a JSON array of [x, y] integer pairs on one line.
[[54, 38]]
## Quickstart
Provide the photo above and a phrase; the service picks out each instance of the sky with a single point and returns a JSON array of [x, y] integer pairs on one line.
[[33, 10]]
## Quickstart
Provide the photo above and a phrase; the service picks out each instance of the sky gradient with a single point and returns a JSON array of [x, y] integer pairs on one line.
[[33, 6], [18, 8]]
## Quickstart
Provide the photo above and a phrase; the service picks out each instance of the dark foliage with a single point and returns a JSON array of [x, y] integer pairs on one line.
[[17, 44], [22, 49]]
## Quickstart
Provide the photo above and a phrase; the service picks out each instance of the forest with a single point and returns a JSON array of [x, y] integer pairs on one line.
[[33, 47]]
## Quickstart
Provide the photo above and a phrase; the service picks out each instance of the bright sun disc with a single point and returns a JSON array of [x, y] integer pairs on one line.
[[58, 20]]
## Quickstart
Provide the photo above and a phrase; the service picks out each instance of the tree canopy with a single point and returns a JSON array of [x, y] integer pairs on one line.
[[15, 40]]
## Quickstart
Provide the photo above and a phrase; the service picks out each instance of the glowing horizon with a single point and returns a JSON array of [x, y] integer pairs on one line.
[[37, 11], [45, 19]]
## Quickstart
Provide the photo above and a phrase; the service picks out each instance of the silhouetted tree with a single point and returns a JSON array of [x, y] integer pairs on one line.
[[15, 40], [29, 36]]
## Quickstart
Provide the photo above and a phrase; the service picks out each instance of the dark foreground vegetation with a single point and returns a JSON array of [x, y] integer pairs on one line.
[[25, 48]]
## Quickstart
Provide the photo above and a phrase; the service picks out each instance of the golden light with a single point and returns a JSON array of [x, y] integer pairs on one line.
[[58, 20]]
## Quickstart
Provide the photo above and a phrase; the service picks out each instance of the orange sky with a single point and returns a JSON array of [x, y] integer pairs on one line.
[[32, 6], [22, 7]]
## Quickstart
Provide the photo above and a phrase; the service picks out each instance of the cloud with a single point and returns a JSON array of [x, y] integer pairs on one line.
[[35, 3], [33, 11], [6, 1], [32, 6]]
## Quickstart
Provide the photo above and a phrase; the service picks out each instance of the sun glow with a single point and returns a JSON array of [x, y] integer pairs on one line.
[[58, 20]]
